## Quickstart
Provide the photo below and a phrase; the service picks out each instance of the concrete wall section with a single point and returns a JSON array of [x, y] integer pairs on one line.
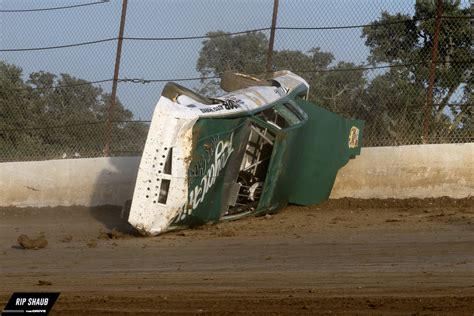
[[382, 172], [88, 182], [409, 171]]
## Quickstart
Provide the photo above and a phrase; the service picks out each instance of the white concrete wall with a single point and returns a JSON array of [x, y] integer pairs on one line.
[[381, 172], [408, 171], [88, 182]]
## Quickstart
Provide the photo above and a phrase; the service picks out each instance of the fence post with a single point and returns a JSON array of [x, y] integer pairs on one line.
[[272, 37], [434, 59], [110, 110]]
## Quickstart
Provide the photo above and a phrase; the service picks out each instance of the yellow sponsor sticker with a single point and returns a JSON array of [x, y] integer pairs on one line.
[[354, 137]]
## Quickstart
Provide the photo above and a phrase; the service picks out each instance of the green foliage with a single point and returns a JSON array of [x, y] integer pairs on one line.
[[392, 108], [247, 53], [392, 102], [410, 45], [51, 116]]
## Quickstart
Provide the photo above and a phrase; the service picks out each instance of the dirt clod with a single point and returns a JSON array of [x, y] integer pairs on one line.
[[67, 238], [44, 282], [113, 234], [92, 243], [28, 243]]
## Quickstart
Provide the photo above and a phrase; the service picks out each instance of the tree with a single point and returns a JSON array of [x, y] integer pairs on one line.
[[247, 53], [50, 115], [15, 111], [392, 109], [391, 102], [221, 53], [407, 42]]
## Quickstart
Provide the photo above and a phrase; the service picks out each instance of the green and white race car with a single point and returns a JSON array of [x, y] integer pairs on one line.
[[249, 152]]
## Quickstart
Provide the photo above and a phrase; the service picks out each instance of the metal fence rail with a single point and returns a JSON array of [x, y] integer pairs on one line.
[[81, 79]]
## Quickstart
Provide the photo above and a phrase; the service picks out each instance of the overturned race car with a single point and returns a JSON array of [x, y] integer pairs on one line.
[[249, 152]]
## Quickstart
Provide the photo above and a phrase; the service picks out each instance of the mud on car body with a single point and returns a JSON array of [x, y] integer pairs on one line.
[[249, 152]]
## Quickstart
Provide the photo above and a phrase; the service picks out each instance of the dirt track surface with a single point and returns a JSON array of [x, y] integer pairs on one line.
[[342, 257]]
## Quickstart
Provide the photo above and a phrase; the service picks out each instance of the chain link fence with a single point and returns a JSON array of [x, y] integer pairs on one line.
[[403, 66]]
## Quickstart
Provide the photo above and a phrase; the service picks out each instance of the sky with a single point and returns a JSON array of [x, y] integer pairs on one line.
[[171, 18]]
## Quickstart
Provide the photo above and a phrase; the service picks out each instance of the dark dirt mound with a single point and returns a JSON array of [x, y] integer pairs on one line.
[[92, 243], [115, 234], [350, 203], [67, 238], [44, 282]]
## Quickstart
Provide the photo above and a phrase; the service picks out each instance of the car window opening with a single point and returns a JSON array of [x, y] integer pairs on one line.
[[164, 189], [169, 158], [253, 169]]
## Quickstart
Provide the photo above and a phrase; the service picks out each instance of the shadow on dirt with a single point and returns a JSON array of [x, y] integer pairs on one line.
[[112, 195], [110, 217]]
